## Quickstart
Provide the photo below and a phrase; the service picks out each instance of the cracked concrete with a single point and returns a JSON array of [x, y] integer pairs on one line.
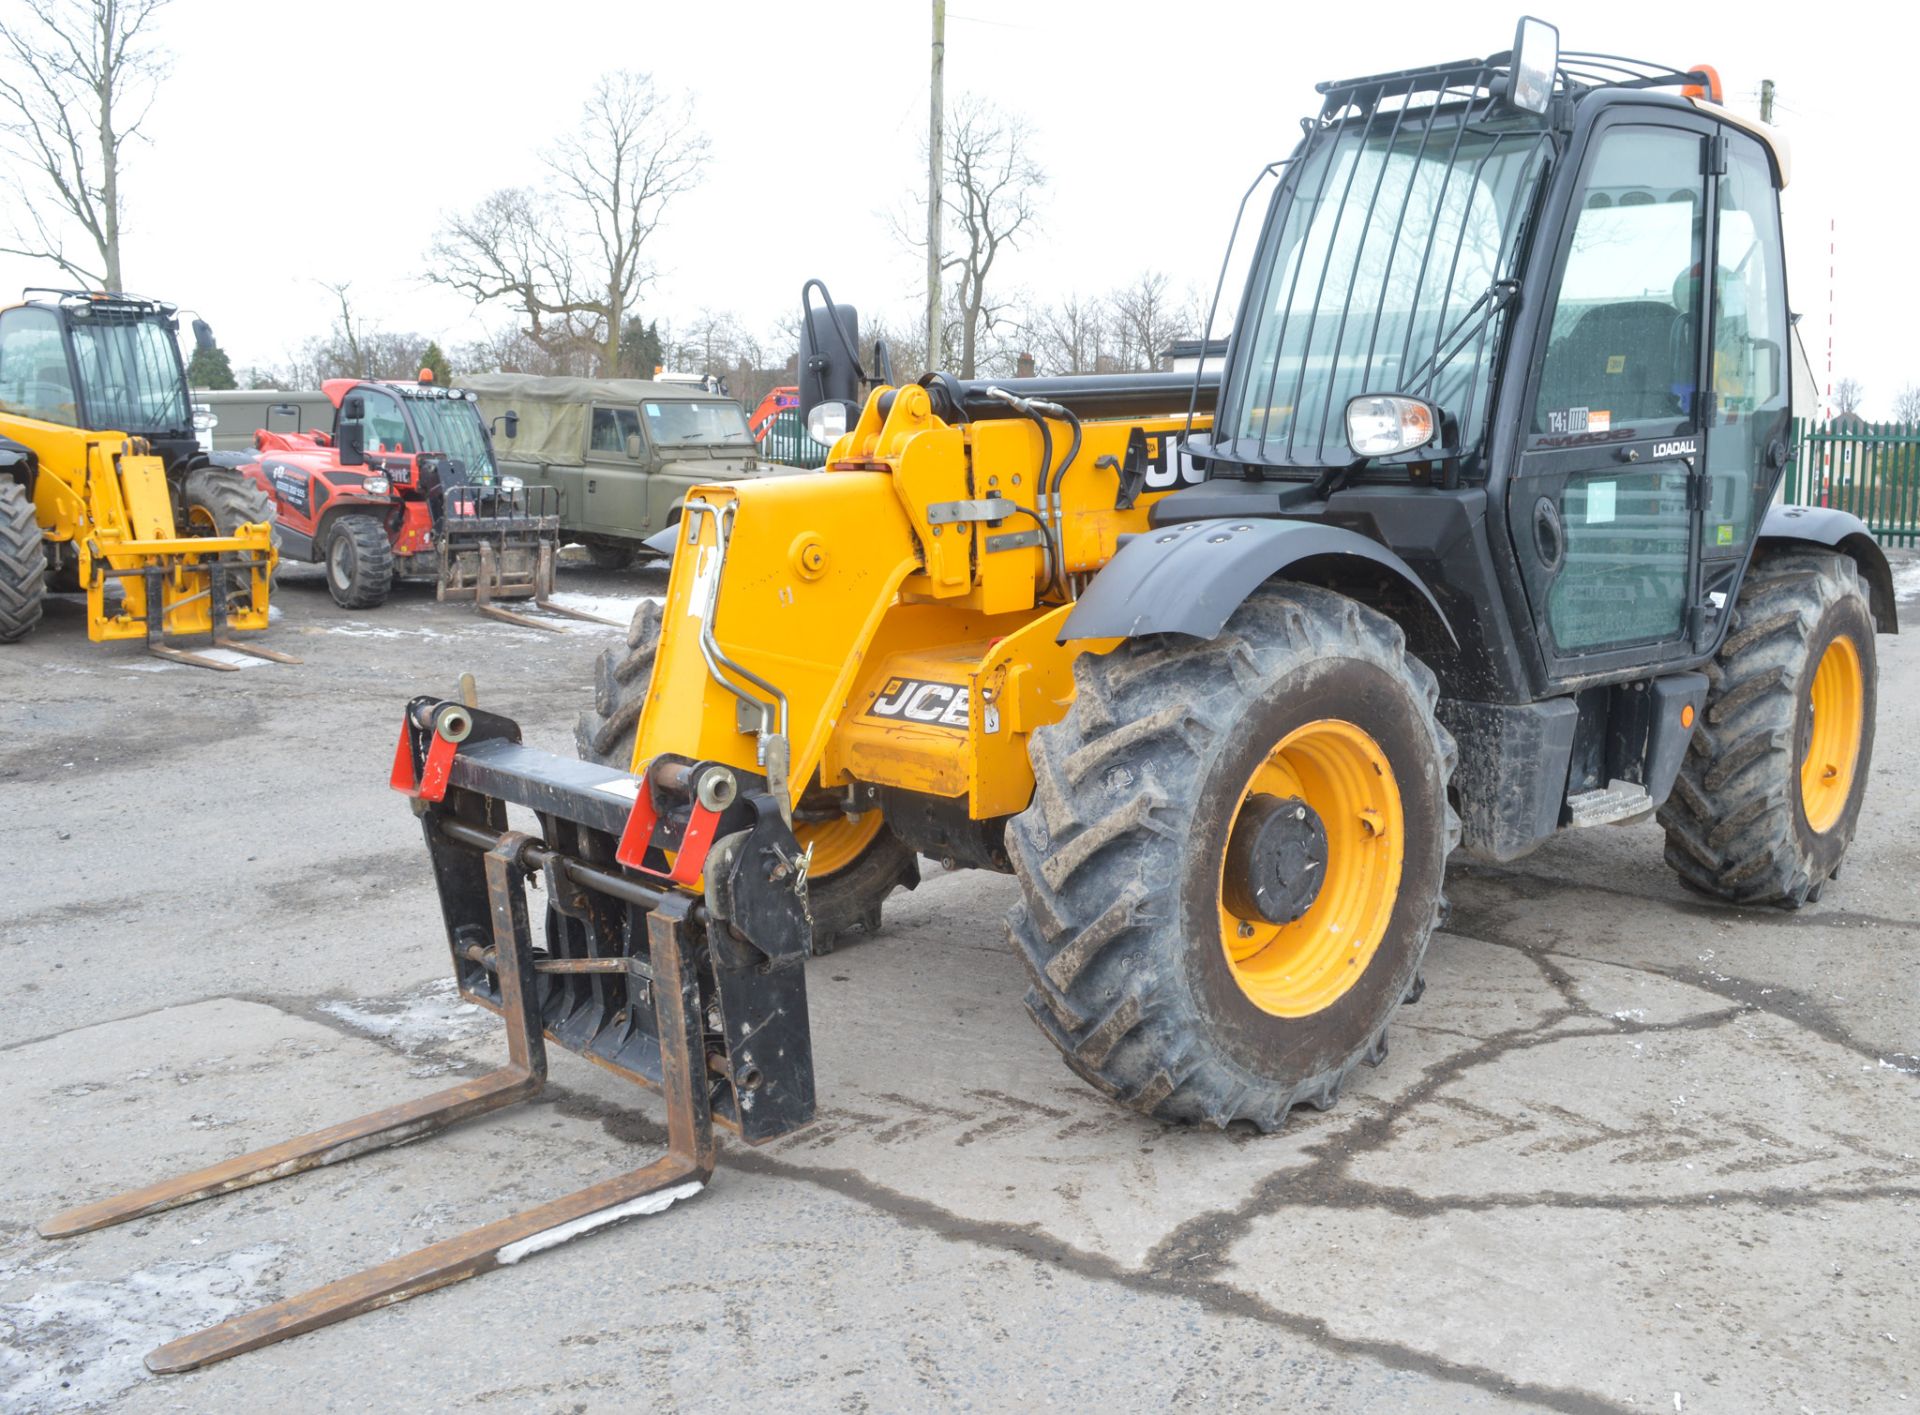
[[1630, 1152]]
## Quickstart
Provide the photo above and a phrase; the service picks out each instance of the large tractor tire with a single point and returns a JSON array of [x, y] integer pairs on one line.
[[23, 564], [1768, 796], [359, 560], [1234, 858], [857, 861], [607, 556], [219, 501]]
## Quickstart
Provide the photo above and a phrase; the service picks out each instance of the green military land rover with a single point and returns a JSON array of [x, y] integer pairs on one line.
[[622, 451]]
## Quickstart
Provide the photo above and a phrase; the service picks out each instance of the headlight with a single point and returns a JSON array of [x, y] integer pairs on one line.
[[511, 484], [376, 486], [1379, 426], [827, 423]]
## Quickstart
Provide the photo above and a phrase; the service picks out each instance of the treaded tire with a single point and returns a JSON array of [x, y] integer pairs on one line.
[[1119, 857], [228, 499], [610, 557], [23, 565], [359, 561], [1736, 824], [848, 899]]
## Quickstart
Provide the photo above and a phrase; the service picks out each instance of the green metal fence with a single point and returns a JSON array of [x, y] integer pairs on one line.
[[1870, 469], [787, 442]]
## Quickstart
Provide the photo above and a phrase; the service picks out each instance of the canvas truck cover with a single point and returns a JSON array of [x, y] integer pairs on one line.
[[554, 412]]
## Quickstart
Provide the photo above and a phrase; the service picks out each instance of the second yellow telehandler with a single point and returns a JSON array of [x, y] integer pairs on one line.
[[104, 487]]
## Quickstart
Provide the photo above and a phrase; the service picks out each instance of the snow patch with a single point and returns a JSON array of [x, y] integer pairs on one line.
[[553, 1237], [230, 657], [1906, 580], [79, 1345], [360, 629], [430, 1016], [617, 608]]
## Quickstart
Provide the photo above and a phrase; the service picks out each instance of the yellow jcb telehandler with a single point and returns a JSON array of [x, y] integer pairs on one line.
[[104, 487], [1471, 540]]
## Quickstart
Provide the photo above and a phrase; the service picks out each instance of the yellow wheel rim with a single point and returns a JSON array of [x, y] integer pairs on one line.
[[1303, 967], [1833, 747], [837, 843]]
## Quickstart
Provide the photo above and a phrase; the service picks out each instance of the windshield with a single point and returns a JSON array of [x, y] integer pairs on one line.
[[130, 378], [452, 426], [1382, 253], [683, 423]]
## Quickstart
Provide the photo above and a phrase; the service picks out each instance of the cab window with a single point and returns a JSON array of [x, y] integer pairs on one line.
[[693, 423], [1622, 352], [1748, 408], [616, 431], [385, 422], [34, 381]]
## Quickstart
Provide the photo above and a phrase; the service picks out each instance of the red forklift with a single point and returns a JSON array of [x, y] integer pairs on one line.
[[405, 486]]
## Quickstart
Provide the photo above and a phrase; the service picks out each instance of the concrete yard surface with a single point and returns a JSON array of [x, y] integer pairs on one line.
[[1631, 1151]]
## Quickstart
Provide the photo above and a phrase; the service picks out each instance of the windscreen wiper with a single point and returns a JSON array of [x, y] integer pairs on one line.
[[1479, 314]]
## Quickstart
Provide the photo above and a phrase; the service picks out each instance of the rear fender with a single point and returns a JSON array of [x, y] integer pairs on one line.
[[1842, 531], [1190, 577]]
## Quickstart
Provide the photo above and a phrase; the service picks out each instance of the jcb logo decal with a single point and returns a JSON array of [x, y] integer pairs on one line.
[[917, 700], [1163, 473]]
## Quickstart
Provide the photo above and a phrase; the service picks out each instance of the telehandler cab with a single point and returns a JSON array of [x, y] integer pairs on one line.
[[104, 487], [406, 486], [1470, 541]]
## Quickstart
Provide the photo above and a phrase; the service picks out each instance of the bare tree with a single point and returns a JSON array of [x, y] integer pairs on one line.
[[568, 255], [992, 189], [1848, 395], [1072, 335], [514, 350], [351, 350], [512, 248], [79, 79], [1906, 405], [1145, 319]]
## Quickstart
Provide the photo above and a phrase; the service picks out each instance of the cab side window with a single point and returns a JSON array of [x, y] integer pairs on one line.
[[616, 431], [384, 420], [1623, 350], [34, 382], [1747, 411]]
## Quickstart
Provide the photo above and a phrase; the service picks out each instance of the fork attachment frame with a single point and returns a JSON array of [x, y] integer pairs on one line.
[[629, 975]]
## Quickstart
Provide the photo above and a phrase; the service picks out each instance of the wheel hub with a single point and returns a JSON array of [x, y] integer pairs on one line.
[[1276, 859]]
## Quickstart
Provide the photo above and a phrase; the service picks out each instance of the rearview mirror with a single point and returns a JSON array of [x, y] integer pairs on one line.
[[1536, 55], [203, 337], [635, 450], [829, 356], [513, 424], [351, 440]]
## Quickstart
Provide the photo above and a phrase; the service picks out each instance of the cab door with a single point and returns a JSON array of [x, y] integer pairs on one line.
[[616, 472], [1603, 511]]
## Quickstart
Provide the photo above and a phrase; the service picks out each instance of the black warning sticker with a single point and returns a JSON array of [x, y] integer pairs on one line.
[[290, 484], [922, 700]]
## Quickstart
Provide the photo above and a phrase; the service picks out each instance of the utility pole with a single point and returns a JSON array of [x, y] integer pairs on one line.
[[936, 136], [1766, 100]]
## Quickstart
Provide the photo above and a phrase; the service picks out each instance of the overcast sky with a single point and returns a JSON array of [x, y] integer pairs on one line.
[[296, 144]]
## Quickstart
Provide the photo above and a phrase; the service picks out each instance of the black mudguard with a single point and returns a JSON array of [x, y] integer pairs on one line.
[[1190, 577], [1847, 533]]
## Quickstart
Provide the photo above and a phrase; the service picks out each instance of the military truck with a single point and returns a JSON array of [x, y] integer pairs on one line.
[[623, 451], [239, 412]]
